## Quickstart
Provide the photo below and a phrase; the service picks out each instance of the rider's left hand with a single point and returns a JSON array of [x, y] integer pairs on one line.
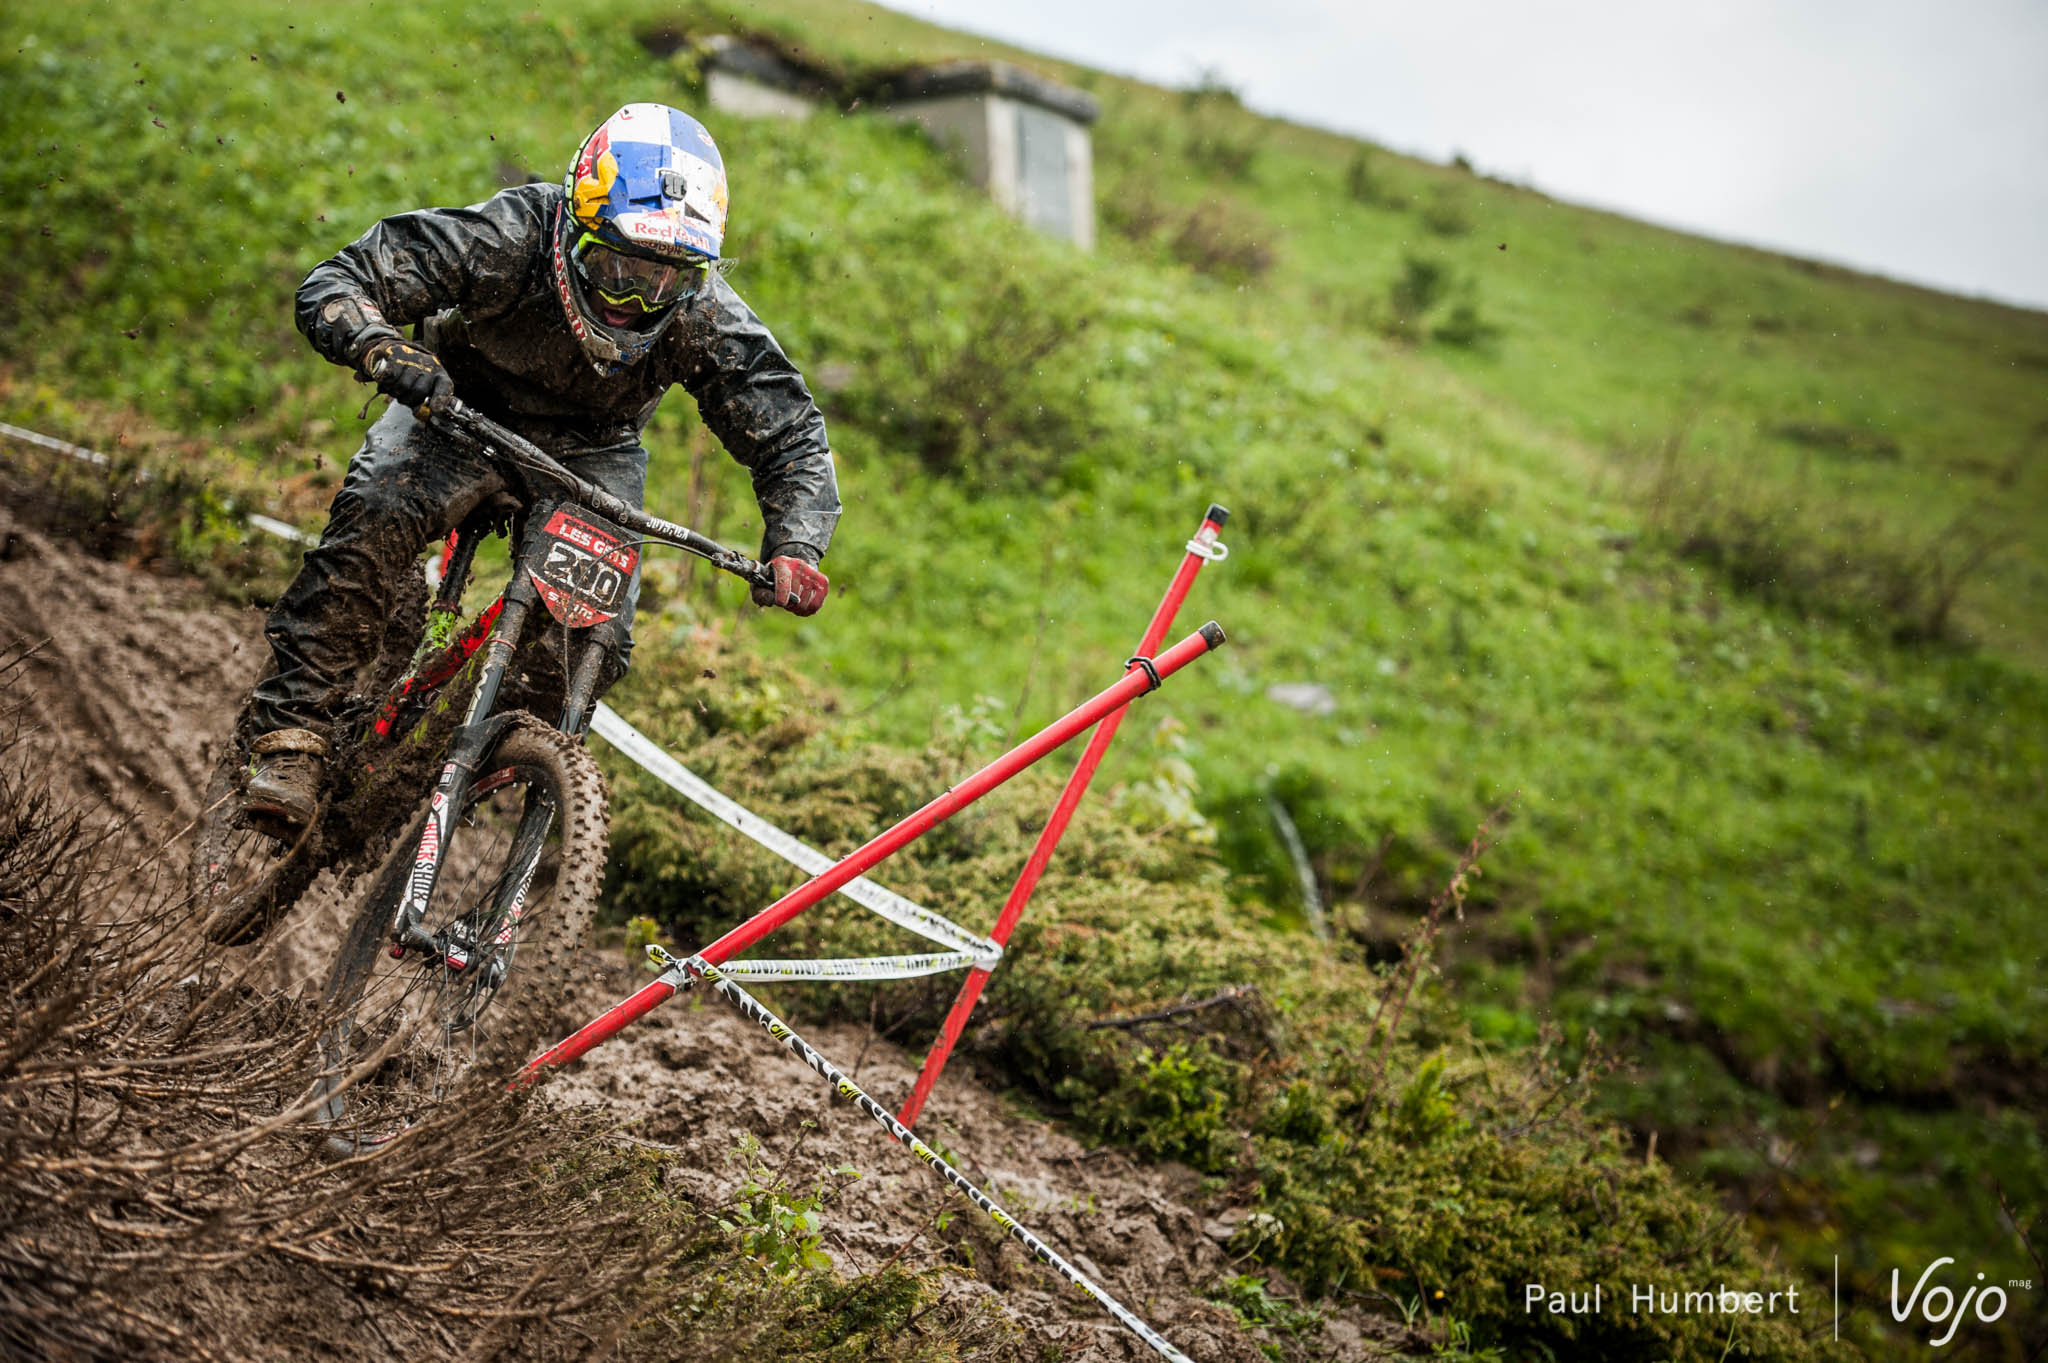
[[799, 587]]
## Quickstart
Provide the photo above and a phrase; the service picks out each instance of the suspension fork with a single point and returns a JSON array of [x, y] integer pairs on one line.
[[539, 815], [471, 744], [597, 648], [457, 556], [600, 645]]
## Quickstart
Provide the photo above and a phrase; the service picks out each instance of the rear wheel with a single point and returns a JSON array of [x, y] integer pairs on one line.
[[520, 872]]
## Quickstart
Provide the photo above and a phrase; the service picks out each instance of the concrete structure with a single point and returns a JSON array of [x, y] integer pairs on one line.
[[740, 78], [1021, 137]]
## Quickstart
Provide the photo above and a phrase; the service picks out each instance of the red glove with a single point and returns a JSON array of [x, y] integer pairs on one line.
[[799, 587]]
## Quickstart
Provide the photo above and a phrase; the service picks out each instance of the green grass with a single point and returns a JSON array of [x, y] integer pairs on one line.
[[1767, 837]]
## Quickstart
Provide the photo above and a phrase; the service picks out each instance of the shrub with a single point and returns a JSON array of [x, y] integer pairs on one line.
[[1465, 328], [1363, 182], [1222, 239], [1174, 1103], [1422, 288], [1134, 210], [1421, 285], [1446, 214], [1767, 539], [967, 392], [1223, 138]]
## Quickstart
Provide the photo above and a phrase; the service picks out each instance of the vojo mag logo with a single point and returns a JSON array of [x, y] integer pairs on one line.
[[1937, 1304]]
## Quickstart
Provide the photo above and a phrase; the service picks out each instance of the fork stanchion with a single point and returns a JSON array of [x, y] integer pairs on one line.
[[1104, 703], [1201, 549]]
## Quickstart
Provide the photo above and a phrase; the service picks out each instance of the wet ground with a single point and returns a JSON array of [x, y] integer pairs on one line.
[[132, 678]]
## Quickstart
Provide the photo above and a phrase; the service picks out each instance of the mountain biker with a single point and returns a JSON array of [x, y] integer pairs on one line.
[[564, 312]]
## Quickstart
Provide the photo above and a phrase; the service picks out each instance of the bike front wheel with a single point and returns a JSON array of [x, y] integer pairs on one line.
[[520, 873]]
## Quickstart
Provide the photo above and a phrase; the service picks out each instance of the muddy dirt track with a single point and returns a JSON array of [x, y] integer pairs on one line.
[[133, 675]]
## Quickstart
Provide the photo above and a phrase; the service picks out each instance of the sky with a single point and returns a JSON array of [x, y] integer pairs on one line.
[[1907, 139]]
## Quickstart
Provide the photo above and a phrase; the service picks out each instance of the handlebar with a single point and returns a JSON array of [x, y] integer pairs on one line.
[[528, 459]]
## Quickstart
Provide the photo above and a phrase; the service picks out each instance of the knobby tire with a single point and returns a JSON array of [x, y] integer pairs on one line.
[[426, 1021]]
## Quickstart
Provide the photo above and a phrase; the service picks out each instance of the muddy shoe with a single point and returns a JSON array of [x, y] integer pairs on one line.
[[283, 790]]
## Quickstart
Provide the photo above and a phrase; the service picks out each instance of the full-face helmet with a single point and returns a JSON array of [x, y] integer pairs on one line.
[[640, 229]]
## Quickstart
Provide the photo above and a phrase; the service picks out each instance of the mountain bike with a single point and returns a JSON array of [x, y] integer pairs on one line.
[[474, 730]]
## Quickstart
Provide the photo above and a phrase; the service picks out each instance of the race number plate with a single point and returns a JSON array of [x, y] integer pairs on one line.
[[585, 571]]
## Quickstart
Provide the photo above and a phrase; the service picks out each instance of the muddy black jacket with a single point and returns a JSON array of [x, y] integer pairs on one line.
[[479, 280]]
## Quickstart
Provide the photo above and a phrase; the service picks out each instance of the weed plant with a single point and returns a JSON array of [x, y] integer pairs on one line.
[[1792, 546], [151, 509]]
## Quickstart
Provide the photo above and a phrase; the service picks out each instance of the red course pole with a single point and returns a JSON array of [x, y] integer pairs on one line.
[[1132, 685], [1199, 552]]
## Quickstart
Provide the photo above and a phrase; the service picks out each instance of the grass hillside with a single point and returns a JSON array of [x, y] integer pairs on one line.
[[1728, 567]]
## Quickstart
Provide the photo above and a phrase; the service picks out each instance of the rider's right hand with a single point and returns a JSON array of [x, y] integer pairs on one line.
[[407, 374], [798, 587]]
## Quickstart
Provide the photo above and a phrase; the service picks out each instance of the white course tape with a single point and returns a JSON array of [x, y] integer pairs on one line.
[[607, 724], [851, 967], [283, 531], [52, 443], [267, 524], [680, 974]]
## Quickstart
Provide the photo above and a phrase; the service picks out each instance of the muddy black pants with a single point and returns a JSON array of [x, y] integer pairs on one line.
[[406, 488]]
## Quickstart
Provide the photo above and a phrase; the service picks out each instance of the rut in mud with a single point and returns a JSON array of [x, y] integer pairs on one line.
[[128, 682]]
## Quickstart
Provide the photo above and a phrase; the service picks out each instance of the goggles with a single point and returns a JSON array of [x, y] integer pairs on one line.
[[621, 279]]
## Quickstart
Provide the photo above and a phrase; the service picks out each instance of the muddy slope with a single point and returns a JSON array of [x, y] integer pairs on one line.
[[129, 678], [132, 676]]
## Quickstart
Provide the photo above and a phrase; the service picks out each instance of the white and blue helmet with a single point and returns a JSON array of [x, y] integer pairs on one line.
[[642, 224]]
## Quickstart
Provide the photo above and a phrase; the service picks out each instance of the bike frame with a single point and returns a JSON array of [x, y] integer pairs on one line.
[[496, 633]]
